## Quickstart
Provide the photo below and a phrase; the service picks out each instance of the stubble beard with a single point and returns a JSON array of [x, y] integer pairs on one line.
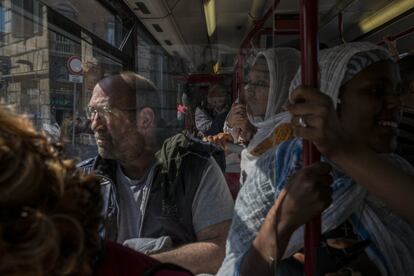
[[106, 154], [120, 154]]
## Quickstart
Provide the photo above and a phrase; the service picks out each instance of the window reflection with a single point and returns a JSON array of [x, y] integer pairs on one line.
[[34, 76], [26, 18], [103, 23], [35, 79]]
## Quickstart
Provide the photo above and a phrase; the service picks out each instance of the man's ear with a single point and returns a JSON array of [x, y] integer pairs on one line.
[[146, 118]]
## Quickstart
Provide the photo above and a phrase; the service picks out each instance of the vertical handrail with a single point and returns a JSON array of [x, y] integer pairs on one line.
[[309, 73], [239, 78]]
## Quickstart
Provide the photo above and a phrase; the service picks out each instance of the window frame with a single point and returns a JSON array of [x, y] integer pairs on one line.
[[27, 13], [56, 19]]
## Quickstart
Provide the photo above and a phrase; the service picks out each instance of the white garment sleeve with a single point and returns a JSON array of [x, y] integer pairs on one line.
[[212, 202]]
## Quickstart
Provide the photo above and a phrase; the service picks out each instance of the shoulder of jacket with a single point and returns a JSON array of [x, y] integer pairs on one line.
[[86, 163]]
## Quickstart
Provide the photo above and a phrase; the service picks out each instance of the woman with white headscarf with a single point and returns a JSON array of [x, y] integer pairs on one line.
[[355, 116], [266, 92]]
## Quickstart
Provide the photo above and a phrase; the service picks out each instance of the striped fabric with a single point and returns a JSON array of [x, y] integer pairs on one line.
[[252, 205], [392, 237], [362, 60], [333, 66]]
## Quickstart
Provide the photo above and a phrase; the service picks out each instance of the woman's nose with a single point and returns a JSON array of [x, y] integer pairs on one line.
[[249, 90]]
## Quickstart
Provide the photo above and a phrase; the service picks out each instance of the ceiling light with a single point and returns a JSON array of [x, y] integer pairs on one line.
[[385, 14], [210, 15]]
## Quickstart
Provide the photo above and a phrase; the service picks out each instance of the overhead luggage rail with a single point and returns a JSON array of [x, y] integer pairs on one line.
[[399, 35]]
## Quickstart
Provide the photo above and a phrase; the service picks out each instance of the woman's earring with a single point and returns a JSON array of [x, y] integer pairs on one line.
[[339, 101]]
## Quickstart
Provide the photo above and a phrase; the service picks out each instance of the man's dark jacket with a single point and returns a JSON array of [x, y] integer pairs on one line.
[[169, 208]]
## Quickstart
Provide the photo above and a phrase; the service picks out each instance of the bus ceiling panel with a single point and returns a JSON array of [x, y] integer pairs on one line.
[[292, 6], [358, 14], [232, 17], [231, 29], [405, 43], [157, 18], [289, 7], [229, 7], [190, 19], [175, 24], [284, 8], [183, 24], [354, 12]]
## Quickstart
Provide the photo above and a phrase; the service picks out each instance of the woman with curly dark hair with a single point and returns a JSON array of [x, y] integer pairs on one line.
[[50, 213]]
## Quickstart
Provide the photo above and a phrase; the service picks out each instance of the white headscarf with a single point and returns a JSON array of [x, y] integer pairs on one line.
[[334, 62], [283, 64]]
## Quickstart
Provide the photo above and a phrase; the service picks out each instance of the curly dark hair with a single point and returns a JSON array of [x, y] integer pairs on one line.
[[49, 212]]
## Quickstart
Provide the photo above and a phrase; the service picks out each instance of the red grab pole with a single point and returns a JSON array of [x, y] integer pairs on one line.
[[309, 62]]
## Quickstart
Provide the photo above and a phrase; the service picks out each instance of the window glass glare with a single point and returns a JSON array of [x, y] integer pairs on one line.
[[103, 23], [49, 69], [36, 78]]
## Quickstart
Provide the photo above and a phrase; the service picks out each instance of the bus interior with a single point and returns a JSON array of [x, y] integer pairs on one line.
[[54, 52], [182, 46]]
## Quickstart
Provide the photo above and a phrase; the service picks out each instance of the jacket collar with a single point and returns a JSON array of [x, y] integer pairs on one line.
[[105, 167]]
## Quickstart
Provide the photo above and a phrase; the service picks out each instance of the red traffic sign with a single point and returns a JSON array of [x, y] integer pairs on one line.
[[75, 65]]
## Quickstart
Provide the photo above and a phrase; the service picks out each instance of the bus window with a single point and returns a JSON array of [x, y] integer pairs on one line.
[[104, 24], [48, 70], [222, 71]]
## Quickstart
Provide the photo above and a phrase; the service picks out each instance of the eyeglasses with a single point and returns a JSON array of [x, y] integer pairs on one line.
[[254, 85], [104, 111]]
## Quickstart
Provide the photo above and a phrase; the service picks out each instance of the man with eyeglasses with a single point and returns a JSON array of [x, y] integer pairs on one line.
[[176, 208]]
